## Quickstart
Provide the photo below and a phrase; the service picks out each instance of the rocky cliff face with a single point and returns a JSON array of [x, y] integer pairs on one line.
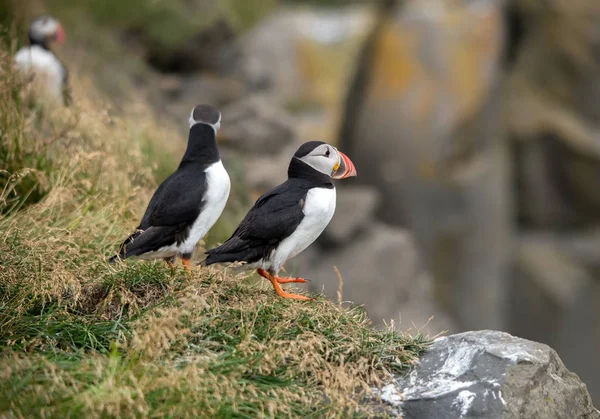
[[489, 374], [490, 158]]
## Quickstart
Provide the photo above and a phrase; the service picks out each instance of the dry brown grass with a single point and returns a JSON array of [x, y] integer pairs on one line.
[[81, 338]]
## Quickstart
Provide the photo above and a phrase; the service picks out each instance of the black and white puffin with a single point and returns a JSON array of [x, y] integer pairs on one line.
[[287, 219], [189, 202], [38, 58]]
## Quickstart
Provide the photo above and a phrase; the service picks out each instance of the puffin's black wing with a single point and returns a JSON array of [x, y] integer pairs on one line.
[[274, 216], [171, 212], [179, 199]]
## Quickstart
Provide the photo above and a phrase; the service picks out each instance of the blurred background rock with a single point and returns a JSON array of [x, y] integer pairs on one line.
[[474, 126]]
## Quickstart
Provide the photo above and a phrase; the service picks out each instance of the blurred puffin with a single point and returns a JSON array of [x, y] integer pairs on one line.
[[38, 58], [188, 203], [287, 219]]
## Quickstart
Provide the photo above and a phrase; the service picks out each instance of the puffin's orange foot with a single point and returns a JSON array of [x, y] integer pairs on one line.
[[284, 294], [186, 265], [288, 280], [275, 281]]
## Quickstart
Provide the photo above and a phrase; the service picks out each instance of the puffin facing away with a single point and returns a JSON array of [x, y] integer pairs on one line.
[[188, 203], [39, 60], [287, 219]]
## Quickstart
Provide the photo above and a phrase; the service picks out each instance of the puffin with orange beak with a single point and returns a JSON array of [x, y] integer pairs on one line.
[[39, 60], [287, 219]]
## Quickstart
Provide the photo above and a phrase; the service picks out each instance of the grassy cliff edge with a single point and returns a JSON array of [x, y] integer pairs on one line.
[[83, 338]]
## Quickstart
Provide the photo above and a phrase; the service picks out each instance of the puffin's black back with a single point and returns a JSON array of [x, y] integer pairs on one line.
[[177, 202]]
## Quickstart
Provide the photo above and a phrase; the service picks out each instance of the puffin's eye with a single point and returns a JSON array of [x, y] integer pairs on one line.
[[327, 153]]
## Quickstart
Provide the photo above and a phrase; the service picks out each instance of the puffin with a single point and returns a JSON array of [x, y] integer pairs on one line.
[[38, 58], [188, 203], [287, 219]]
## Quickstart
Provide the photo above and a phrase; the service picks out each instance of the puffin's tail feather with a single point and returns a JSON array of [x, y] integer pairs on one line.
[[214, 258], [228, 257], [121, 255], [123, 248], [118, 256]]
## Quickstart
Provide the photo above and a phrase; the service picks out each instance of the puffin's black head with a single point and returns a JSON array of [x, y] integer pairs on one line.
[[323, 158], [205, 122], [44, 30], [207, 115]]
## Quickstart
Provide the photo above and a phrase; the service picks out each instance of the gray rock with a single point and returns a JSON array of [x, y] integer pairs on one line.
[[269, 58], [381, 270], [272, 52], [267, 171], [354, 210], [256, 126], [490, 374], [540, 202], [177, 95], [207, 88]]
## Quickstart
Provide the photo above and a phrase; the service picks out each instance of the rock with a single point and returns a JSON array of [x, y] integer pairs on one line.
[[423, 124], [555, 297], [354, 210], [274, 53], [207, 88], [177, 95], [490, 374], [540, 201], [380, 270], [257, 127], [267, 171], [553, 116]]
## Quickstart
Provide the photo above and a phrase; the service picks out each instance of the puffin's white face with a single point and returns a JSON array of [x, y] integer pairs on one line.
[[206, 114], [46, 29], [328, 160]]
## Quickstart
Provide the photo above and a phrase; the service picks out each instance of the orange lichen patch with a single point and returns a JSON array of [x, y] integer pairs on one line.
[[445, 57], [325, 69], [474, 54], [308, 63], [427, 169], [394, 65]]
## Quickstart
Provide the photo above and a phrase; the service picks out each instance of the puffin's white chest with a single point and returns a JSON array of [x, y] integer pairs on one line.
[[318, 211], [45, 66], [218, 186]]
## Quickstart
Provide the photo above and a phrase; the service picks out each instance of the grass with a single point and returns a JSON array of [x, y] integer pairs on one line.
[[82, 338]]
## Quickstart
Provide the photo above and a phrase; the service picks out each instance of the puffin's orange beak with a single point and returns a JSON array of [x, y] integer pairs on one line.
[[345, 167], [60, 36]]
